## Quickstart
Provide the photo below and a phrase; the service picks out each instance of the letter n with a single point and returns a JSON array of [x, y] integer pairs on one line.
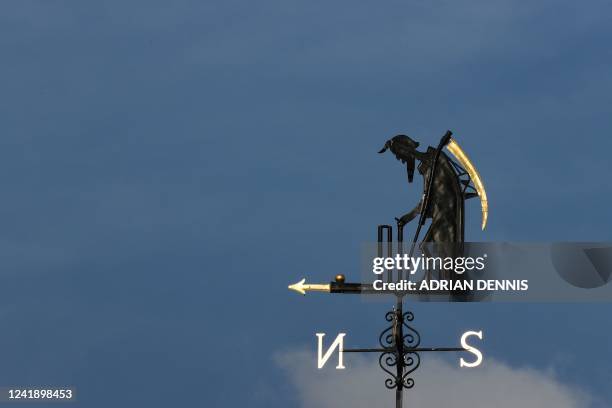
[[339, 343]]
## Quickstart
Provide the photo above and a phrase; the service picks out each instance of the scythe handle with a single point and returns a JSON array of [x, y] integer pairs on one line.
[[425, 207]]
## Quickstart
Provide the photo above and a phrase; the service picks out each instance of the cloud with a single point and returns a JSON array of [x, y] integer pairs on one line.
[[438, 383]]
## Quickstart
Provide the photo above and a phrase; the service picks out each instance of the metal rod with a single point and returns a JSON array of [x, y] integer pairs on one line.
[[432, 173], [399, 349], [381, 229], [416, 350], [400, 248], [389, 250]]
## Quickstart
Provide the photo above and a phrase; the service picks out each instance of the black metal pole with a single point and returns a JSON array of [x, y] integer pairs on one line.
[[399, 330], [399, 345]]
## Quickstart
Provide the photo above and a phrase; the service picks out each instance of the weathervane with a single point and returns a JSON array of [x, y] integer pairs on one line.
[[446, 186]]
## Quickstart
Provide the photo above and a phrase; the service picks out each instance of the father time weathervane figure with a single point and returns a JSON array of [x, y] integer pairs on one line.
[[447, 183]]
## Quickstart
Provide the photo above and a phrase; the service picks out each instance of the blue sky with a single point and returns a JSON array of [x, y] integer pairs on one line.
[[169, 167]]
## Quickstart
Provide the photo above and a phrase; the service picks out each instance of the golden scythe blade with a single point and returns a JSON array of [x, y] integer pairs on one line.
[[460, 155]]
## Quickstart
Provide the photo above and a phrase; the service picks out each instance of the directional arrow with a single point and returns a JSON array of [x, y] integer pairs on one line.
[[302, 287]]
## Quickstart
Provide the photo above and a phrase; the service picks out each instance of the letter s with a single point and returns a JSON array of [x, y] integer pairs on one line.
[[473, 350]]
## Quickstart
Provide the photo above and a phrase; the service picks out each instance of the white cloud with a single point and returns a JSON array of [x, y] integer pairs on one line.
[[438, 383]]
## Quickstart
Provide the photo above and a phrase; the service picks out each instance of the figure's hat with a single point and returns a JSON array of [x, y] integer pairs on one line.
[[404, 149]]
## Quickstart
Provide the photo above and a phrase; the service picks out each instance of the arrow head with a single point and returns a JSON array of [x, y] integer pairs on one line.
[[298, 287]]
